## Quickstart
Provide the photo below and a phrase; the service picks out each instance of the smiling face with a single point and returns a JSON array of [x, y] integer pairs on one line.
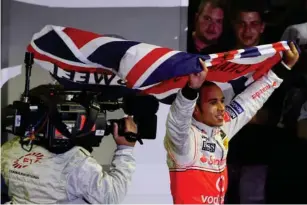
[[248, 29], [209, 23], [211, 108]]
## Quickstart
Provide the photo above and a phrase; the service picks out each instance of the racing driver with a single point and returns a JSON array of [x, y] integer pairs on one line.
[[199, 127]]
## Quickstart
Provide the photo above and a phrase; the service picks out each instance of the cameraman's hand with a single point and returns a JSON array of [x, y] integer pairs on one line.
[[130, 126]]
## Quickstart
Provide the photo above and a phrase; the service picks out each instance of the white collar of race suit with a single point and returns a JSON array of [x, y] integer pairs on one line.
[[208, 130]]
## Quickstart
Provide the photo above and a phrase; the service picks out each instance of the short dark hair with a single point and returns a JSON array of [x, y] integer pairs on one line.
[[207, 84], [214, 3], [203, 86], [249, 6]]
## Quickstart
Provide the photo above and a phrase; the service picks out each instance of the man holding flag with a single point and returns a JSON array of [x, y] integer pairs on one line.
[[199, 127]]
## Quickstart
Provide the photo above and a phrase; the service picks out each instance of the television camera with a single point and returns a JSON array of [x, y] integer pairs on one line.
[[59, 118]]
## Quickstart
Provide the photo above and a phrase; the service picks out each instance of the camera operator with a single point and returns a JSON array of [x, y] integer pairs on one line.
[[42, 177]]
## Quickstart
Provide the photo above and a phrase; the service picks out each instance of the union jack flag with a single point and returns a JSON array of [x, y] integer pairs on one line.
[[82, 58]]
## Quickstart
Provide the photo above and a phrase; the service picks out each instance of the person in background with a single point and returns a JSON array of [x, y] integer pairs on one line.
[[208, 24], [246, 175], [296, 32], [296, 93], [248, 26], [248, 160]]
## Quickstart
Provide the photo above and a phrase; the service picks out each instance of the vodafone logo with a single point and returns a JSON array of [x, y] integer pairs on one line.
[[27, 160], [220, 184], [213, 197]]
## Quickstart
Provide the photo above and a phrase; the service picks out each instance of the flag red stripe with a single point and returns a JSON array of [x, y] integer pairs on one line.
[[219, 55], [75, 35], [141, 66], [224, 56], [266, 66], [230, 55], [278, 46]]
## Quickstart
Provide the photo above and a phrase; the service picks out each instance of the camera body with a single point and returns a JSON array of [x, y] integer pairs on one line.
[[59, 118], [33, 121]]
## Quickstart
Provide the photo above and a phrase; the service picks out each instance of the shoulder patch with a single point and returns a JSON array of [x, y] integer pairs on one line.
[[236, 107], [231, 112]]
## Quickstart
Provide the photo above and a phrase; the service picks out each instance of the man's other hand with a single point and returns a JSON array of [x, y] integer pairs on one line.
[[196, 80], [291, 56], [131, 127]]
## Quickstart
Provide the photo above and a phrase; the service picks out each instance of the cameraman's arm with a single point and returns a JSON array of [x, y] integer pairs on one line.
[[97, 186]]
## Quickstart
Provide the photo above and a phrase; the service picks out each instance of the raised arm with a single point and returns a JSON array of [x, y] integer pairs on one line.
[[178, 124], [245, 106]]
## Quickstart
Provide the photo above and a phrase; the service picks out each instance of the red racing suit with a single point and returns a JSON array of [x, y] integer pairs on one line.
[[196, 153]]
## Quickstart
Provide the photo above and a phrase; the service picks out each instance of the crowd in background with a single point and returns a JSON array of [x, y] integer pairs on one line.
[[267, 158]]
